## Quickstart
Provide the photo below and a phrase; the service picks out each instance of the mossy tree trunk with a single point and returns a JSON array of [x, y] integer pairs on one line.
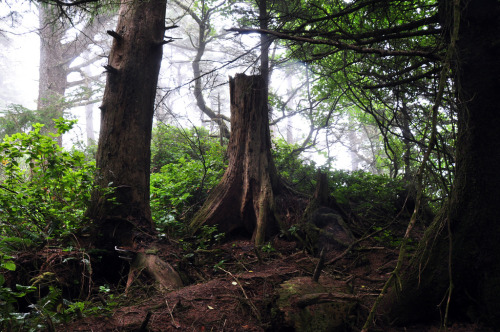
[[244, 199], [463, 239]]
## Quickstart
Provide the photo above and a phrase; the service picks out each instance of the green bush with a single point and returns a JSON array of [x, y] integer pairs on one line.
[[195, 163], [44, 189], [296, 171], [17, 118], [169, 144], [369, 195]]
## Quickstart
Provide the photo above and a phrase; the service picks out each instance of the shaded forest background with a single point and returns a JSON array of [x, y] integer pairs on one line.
[[195, 179]]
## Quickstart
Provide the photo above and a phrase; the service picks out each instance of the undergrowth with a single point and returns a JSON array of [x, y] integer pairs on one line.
[[44, 192]]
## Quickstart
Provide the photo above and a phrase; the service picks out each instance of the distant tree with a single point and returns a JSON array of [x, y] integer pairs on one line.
[[7, 92], [57, 53], [205, 34]]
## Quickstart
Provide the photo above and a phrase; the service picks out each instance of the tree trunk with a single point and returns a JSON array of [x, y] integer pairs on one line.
[[53, 69], [89, 112], [56, 56], [89, 124], [122, 216], [123, 154], [244, 199], [354, 143], [469, 227]]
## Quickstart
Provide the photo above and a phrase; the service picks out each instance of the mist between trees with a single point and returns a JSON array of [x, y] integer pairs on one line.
[[246, 100], [208, 52]]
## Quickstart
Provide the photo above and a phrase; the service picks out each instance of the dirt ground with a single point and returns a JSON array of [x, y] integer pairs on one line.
[[230, 288]]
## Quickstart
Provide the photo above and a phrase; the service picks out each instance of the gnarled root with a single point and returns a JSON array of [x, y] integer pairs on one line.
[[162, 272]]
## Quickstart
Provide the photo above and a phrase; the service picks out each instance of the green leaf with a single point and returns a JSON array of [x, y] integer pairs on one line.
[[8, 265]]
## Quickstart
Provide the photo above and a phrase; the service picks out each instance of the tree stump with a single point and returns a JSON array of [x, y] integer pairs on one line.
[[244, 199]]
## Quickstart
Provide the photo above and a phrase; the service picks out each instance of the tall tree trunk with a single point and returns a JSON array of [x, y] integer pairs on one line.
[[122, 217], [244, 199], [53, 70], [89, 111], [463, 240], [123, 154], [89, 124]]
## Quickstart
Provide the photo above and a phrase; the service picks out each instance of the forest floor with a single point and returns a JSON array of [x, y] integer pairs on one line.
[[231, 287]]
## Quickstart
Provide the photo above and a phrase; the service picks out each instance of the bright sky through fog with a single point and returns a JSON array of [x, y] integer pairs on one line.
[[24, 52]]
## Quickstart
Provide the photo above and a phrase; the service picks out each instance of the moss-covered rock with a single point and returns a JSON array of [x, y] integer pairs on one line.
[[317, 313]]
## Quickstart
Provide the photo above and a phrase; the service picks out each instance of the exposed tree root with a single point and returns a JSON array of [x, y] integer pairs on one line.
[[162, 272]]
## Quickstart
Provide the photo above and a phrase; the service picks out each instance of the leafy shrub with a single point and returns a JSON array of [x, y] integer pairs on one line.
[[169, 144], [9, 317], [367, 194], [17, 118], [44, 189], [296, 171], [193, 167]]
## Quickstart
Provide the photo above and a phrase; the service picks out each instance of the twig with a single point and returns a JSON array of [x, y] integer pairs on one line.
[[176, 325], [319, 266], [250, 303], [144, 325], [351, 246]]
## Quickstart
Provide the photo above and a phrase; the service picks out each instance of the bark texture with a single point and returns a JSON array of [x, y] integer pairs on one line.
[[472, 210], [123, 155], [244, 199]]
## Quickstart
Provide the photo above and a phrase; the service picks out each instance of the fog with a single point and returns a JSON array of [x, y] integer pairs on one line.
[[226, 54]]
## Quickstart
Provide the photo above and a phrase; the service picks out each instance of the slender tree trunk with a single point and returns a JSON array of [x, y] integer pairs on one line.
[[89, 124], [354, 144], [407, 137], [204, 38], [198, 91], [463, 240], [89, 112], [123, 155], [244, 199]]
